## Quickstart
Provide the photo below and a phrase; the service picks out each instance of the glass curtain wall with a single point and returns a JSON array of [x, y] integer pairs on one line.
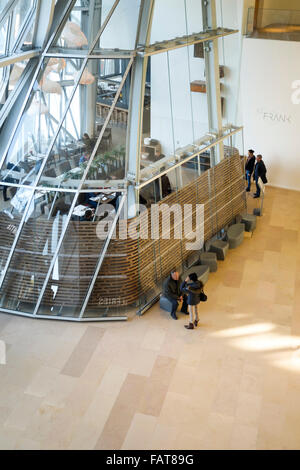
[[66, 184]]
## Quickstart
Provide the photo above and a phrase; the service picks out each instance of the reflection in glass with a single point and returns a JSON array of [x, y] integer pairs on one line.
[[175, 115], [78, 255], [44, 223], [39, 122], [108, 166], [82, 126], [12, 208]]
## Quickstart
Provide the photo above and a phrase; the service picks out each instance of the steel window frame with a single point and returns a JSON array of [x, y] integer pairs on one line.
[[55, 255], [37, 180], [133, 56]]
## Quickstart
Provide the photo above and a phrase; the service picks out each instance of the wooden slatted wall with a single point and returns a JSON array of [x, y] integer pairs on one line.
[[131, 267]]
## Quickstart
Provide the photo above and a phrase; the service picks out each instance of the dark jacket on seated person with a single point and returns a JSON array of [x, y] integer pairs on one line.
[[193, 291], [171, 288]]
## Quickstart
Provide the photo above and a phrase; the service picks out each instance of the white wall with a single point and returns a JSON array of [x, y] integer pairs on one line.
[[271, 120]]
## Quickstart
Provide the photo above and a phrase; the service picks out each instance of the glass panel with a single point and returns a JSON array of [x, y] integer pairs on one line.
[[3, 4], [108, 167], [3, 37], [158, 146], [83, 25], [9, 77], [15, 74], [19, 15], [40, 119], [28, 36], [198, 95], [12, 208], [77, 259], [181, 101], [81, 128], [111, 72], [37, 243], [175, 117], [230, 54], [4, 76], [120, 32]]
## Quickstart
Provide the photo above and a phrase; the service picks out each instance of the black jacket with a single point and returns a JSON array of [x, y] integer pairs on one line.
[[171, 288], [193, 291], [260, 171], [250, 164]]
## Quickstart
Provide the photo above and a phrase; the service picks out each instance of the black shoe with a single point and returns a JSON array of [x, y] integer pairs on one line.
[[7, 199], [248, 190], [185, 312], [190, 326], [196, 323], [255, 196], [173, 315]]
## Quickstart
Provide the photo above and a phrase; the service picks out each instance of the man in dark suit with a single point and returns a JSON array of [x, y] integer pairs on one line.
[[259, 172], [249, 167], [171, 290]]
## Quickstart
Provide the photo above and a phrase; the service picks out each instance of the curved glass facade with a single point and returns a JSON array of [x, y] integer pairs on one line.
[[104, 105]]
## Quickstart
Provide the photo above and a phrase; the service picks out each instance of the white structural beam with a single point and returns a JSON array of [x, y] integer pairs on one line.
[[18, 57], [212, 74], [136, 107]]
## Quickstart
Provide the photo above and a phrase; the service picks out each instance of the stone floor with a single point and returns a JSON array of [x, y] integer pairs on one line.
[[234, 383]]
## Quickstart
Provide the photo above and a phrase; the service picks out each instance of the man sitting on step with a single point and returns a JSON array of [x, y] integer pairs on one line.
[[171, 290]]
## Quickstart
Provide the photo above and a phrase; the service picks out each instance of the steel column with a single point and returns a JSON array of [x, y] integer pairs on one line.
[[212, 74], [136, 107]]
